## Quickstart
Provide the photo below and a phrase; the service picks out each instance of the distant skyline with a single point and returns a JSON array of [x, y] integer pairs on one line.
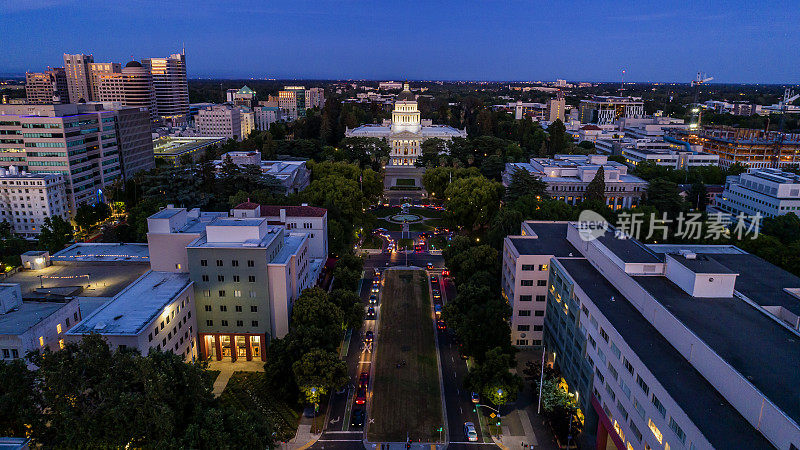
[[734, 41]]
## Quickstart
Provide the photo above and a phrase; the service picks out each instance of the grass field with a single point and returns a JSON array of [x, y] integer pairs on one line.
[[246, 391], [405, 399]]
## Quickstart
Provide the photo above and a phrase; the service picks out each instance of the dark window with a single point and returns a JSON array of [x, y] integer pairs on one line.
[[208, 308], [251, 278], [235, 263], [223, 308], [238, 308], [150, 337], [541, 282], [525, 298], [205, 277], [251, 263], [642, 384], [525, 313], [219, 263], [203, 262], [527, 267], [538, 313], [239, 323], [220, 278], [541, 298], [523, 327], [537, 328], [526, 283], [224, 323], [222, 293], [254, 309], [255, 323], [236, 278]]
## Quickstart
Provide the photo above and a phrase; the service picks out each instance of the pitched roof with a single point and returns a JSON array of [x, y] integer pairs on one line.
[[293, 211], [247, 205]]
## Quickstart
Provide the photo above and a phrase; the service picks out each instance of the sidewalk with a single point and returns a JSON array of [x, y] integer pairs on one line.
[[305, 438], [226, 370]]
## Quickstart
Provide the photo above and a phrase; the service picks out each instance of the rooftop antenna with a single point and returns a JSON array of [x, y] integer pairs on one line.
[[696, 116], [622, 86]]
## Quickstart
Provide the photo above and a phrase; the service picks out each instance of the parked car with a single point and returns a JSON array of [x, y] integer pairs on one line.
[[369, 336], [469, 432], [363, 379], [371, 313], [357, 418], [475, 398], [361, 396]]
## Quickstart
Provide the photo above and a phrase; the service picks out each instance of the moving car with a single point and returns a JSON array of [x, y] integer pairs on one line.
[[371, 313], [375, 287], [441, 325], [363, 379], [436, 294], [357, 418], [373, 299], [475, 398], [361, 396], [434, 279], [445, 273], [430, 266], [437, 309], [469, 432], [369, 336]]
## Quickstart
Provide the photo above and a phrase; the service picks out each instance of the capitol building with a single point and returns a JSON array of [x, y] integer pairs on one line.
[[406, 131]]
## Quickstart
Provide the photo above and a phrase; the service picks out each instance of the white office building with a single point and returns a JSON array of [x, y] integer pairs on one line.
[[308, 219], [294, 176], [567, 177], [27, 199], [674, 346], [155, 312], [768, 192], [219, 121]]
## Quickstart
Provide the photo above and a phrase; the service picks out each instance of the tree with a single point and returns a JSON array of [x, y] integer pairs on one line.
[[493, 379], [350, 304], [558, 140], [785, 228], [663, 195], [492, 167], [698, 197], [596, 189], [473, 201], [56, 233], [348, 271], [319, 372], [19, 400], [525, 183], [85, 216], [506, 222], [437, 179]]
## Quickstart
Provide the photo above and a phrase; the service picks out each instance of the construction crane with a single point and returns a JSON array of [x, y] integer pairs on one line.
[[788, 97], [700, 79]]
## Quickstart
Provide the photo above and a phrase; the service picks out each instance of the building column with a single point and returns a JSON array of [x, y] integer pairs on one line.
[[201, 345], [234, 348], [263, 345], [247, 347], [218, 347]]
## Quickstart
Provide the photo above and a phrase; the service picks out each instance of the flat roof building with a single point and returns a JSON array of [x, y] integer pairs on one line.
[[154, 312], [294, 176], [309, 219], [686, 346], [768, 192], [607, 109], [27, 199]]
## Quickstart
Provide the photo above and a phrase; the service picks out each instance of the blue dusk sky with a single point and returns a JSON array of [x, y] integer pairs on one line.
[[736, 41]]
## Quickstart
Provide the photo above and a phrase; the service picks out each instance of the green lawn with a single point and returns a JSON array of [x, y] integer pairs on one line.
[[405, 399], [391, 226], [427, 212], [419, 227], [246, 391], [384, 212]]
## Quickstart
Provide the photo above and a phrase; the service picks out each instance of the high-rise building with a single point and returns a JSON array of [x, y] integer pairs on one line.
[[556, 107], [672, 345], [27, 199], [219, 121], [248, 121], [79, 141], [603, 110], [135, 138], [97, 73], [47, 87], [171, 87], [79, 83], [130, 86]]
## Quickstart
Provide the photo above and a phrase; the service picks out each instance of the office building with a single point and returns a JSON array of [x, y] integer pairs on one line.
[[155, 312], [308, 219], [390, 85], [248, 121], [98, 72], [567, 177], [241, 97], [675, 346], [752, 148], [79, 83], [247, 274], [171, 88], [27, 199], [264, 116], [134, 138], [556, 108], [219, 121], [171, 149], [32, 325], [294, 100], [294, 176], [606, 109], [47, 87], [768, 192], [526, 261], [132, 86], [79, 141]]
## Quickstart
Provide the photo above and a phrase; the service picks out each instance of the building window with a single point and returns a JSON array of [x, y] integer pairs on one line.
[[235, 263], [537, 328], [525, 298], [238, 308], [638, 407], [205, 277], [625, 389], [237, 293], [627, 365], [541, 298], [543, 267], [523, 327], [210, 323], [239, 323], [251, 263], [659, 406], [655, 430], [538, 313], [253, 308], [522, 342], [208, 308], [526, 283], [541, 282], [219, 263], [58, 328], [221, 278], [150, 337], [206, 293], [224, 323], [252, 294], [222, 293], [41, 341], [223, 308], [642, 384], [604, 335], [525, 313], [254, 323], [203, 262], [251, 278], [236, 278], [528, 267]]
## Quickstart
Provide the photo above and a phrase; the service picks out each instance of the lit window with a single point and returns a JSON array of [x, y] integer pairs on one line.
[[58, 328], [655, 430], [41, 341], [61, 343]]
